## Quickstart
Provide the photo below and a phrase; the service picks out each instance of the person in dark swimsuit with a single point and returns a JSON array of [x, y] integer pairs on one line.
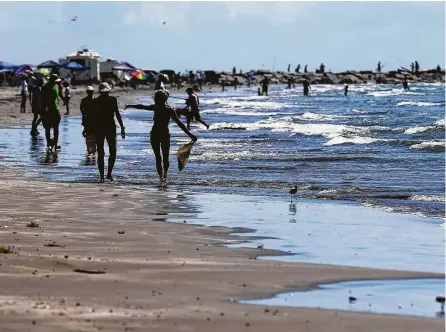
[[160, 135], [192, 110], [50, 111], [102, 124]]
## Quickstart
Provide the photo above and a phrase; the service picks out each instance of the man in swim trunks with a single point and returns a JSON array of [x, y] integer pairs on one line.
[[191, 111], [51, 111], [105, 108], [160, 135]]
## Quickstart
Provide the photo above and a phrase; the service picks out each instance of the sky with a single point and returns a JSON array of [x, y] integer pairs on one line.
[[220, 35]]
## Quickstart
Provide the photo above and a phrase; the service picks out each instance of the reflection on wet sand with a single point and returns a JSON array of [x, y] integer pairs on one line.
[[50, 157], [90, 160]]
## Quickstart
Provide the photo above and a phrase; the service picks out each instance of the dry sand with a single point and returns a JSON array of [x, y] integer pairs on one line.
[[151, 275]]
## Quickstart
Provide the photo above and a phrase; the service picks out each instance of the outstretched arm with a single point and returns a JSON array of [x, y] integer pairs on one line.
[[140, 107], [183, 127]]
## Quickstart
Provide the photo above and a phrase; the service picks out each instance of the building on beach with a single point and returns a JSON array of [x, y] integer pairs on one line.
[[99, 67]]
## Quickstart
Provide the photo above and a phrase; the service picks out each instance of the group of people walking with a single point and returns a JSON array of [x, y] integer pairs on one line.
[[98, 121]]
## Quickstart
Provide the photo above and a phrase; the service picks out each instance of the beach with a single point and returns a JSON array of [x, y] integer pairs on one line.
[[108, 257]]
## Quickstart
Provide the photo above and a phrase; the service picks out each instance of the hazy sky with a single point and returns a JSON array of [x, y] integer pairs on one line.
[[219, 35]]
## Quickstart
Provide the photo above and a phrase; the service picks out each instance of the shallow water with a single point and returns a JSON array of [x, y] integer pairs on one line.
[[379, 145], [400, 297], [316, 231]]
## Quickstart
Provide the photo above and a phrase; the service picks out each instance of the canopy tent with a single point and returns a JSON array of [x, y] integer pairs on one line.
[[23, 69], [124, 66], [7, 65], [49, 64], [73, 66]]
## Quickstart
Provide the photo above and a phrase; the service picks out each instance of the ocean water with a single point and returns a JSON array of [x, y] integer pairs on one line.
[[379, 145], [397, 297]]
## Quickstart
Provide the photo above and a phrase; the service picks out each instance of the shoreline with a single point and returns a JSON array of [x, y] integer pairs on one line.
[[216, 274]]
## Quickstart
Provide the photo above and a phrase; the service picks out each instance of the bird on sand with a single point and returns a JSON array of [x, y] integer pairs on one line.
[[293, 192]]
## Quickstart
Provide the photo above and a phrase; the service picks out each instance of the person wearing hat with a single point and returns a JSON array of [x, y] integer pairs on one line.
[[102, 124], [36, 106], [86, 108], [192, 110], [160, 135], [51, 111]]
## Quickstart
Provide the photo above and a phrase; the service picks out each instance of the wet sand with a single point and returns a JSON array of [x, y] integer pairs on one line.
[[96, 262]]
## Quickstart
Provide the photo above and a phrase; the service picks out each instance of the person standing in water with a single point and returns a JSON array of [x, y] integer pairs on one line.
[[51, 111], [86, 108], [36, 106], [305, 69], [345, 90], [265, 84], [405, 84], [160, 135], [102, 124], [67, 97], [306, 85]]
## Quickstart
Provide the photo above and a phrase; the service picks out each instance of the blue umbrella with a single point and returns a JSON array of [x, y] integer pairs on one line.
[[7, 65], [49, 64], [73, 66]]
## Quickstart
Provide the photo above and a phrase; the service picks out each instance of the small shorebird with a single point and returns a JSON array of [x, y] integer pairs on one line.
[[293, 192], [440, 299]]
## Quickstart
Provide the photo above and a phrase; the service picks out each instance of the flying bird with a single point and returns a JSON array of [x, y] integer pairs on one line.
[[73, 19], [164, 22]]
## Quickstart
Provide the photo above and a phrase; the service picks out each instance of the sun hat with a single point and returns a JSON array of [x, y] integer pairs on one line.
[[104, 87], [90, 88]]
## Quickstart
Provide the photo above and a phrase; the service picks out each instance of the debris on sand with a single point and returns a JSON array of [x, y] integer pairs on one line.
[[54, 244], [121, 232], [89, 271], [7, 250], [115, 194], [32, 224]]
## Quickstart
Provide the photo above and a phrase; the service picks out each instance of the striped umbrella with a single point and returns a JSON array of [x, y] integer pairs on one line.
[[139, 74]]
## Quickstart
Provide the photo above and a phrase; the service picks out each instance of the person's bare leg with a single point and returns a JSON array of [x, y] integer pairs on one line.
[[100, 148], [156, 150], [165, 149], [112, 149], [203, 123]]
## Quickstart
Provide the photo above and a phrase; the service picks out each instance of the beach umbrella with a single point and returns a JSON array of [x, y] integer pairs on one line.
[[7, 65], [73, 66], [139, 74], [49, 64], [23, 69], [124, 66]]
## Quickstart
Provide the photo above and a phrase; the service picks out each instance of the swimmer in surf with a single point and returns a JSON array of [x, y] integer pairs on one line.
[[160, 135]]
